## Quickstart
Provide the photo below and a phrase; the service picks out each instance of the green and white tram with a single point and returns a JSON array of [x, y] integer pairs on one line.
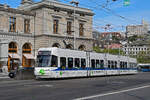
[[65, 63]]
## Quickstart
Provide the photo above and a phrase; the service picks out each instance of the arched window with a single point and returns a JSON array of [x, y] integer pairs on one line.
[[81, 47], [13, 57], [69, 46], [27, 58], [26, 48], [56, 45], [12, 47]]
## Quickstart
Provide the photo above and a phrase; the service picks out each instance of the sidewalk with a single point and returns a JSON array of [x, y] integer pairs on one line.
[[4, 76]]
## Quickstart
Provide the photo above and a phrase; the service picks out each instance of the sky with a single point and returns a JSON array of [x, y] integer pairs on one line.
[[113, 13]]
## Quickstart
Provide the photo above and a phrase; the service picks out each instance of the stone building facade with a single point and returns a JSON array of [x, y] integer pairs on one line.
[[47, 23], [137, 29], [138, 47], [136, 50]]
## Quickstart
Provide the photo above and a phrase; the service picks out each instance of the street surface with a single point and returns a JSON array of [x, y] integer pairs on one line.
[[128, 87]]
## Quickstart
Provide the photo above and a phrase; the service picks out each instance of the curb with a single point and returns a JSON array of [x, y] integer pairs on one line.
[[5, 79]]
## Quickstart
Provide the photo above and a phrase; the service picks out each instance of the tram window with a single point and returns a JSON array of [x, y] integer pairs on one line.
[[121, 65], [125, 64], [77, 62], [102, 63], [130, 65], [112, 64], [134, 65], [83, 63], [116, 64], [109, 64], [62, 62], [97, 64], [93, 63], [54, 61], [70, 63]]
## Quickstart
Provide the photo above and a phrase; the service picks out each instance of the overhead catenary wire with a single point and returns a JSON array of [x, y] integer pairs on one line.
[[86, 29], [96, 26], [108, 11], [78, 27], [114, 13]]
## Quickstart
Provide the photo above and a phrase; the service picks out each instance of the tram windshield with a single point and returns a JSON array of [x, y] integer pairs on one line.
[[43, 60]]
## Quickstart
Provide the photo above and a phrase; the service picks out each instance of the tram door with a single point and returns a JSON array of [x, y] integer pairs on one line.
[[88, 63]]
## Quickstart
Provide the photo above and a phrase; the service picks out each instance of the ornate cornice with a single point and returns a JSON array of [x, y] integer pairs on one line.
[[69, 37], [16, 34], [16, 11], [60, 6], [47, 35]]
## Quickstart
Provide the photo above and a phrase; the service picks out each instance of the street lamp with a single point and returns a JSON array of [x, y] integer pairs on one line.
[[75, 5]]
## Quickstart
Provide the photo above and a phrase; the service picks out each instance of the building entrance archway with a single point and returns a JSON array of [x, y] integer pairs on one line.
[[27, 57], [81, 47], [69, 46], [56, 45], [13, 57]]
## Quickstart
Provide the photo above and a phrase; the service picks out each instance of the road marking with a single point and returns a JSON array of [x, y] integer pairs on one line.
[[16, 81], [4, 77], [111, 93], [45, 85], [19, 84]]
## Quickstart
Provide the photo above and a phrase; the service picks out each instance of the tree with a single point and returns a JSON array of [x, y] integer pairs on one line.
[[97, 49], [111, 51], [132, 38], [115, 38], [143, 57]]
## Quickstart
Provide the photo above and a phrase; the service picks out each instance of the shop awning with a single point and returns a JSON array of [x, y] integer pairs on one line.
[[14, 55], [28, 56]]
